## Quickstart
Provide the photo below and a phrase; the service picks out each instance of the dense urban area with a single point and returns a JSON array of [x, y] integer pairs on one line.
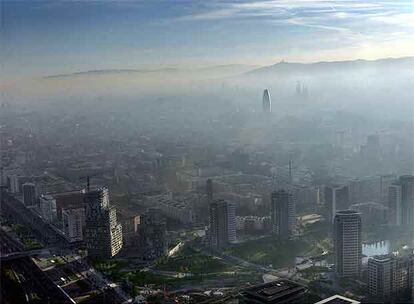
[[172, 200]]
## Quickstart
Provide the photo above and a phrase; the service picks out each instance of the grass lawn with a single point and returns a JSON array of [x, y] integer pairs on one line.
[[110, 268], [313, 272], [190, 260], [269, 250]]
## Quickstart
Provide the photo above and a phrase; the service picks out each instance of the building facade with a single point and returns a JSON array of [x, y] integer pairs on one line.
[[381, 272], [394, 204], [266, 102], [29, 194], [390, 277], [73, 223], [407, 199], [103, 233], [152, 235], [283, 213], [47, 207], [336, 198], [347, 243], [222, 228]]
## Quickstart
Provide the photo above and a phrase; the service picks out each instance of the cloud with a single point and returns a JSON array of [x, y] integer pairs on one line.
[[329, 12]]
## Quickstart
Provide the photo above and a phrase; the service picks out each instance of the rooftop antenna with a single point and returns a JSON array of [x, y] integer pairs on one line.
[[88, 181]]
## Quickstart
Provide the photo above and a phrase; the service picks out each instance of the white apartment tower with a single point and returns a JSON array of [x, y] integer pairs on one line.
[[347, 243]]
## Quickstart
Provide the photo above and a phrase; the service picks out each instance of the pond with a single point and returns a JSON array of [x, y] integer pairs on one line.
[[377, 248]]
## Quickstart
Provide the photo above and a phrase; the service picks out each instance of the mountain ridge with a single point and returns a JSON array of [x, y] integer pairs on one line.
[[284, 66]]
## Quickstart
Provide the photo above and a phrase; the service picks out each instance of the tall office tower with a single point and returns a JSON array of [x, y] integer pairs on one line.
[[407, 199], [365, 189], [390, 276], [267, 103], [298, 88], [282, 213], [336, 198], [13, 183], [381, 272], [394, 204], [29, 194], [152, 234], [347, 243], [222, 224], [103, 234], [73, 223], [385, 182], [209, 186], [373, 143], [47, 206]]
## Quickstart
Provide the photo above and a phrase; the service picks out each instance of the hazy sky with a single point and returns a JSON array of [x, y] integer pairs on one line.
[[49, 37]]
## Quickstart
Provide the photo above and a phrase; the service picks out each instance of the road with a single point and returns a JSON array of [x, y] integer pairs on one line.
[[286, 272], [80, 266], [13, 208]]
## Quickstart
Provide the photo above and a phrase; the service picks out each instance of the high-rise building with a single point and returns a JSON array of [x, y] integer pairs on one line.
[[380, 276], [103, 233], [47, 207], [222, 224], [365, 189], [401, 201], [336, 198], [29, 194], [13, 183], [152, 234], [390, 276], [73, 223], [407, 199], [209, 190], [385, 182], [283, 213], [371, 213], [394, 204], [347, 243], [267, 103], [69, 200]]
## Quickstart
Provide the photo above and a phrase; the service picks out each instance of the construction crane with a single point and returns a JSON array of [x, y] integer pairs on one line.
[[88, 180]]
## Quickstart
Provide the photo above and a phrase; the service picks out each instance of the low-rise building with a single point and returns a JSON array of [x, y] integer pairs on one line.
[[177, 209], [280, 291], [253, 223]]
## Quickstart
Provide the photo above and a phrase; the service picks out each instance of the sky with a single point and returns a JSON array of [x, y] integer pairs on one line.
[[40, 38]]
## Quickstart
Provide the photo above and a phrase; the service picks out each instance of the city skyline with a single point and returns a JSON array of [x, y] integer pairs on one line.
[[188, 151]]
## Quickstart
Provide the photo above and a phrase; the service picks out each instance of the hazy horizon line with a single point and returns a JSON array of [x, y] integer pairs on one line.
[[153, 68]]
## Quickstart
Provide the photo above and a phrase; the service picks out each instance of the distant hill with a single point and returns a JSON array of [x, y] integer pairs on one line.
[[333, 66], [237, 70], [230, 69]]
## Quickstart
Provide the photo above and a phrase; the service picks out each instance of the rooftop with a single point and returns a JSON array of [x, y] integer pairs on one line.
[[280, 291], [337, 299]]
